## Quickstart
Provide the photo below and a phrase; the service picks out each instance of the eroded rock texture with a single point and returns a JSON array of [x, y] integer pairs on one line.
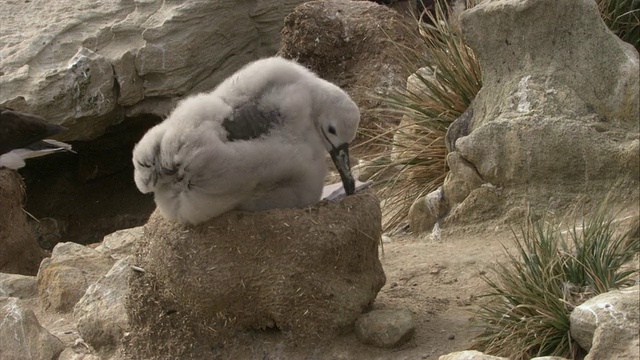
[[85, 64], [557, 116]]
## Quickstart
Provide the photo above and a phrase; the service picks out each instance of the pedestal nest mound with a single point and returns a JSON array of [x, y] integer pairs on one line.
[[20, 252], [307, 272]]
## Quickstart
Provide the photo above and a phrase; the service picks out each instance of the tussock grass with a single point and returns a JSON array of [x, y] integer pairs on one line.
[[410, 159], [623, 18], [414, 152], [551, 272]]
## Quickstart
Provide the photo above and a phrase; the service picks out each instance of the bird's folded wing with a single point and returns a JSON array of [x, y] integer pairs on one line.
[[251, 121]]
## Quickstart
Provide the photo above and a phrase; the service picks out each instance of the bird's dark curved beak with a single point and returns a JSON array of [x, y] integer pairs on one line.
[[340, 157]]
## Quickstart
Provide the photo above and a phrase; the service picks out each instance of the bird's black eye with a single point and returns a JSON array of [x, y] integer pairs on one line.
[[332, 130]]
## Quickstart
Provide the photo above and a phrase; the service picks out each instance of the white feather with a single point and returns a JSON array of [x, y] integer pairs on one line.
[[195, 173]]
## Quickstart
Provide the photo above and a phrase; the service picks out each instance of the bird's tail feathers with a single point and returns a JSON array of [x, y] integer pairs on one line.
[[15, 159]]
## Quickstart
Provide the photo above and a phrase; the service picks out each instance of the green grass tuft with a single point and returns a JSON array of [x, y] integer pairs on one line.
[[549, 274]]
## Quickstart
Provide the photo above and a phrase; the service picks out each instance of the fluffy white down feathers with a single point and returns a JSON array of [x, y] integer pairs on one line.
[[258, 141]]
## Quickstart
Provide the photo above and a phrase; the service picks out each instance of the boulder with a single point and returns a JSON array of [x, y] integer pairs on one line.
[[353, 44], [558, 110], [101, 315], [21, 335], [16, 285], [64, 277], [385, 328], [88, 65], [607, 325], [20, 253], [306, 272]]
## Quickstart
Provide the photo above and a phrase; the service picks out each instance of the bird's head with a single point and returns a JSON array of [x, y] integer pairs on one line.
[[338, 120]]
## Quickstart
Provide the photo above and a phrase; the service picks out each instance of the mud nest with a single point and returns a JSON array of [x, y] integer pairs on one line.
[[308, 273], [19, 250]]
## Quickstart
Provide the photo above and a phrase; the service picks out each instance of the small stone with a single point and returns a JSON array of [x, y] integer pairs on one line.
[[385, 328], [451, 337]]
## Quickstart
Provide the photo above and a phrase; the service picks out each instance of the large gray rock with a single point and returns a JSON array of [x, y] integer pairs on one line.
[[84, 64], [567, 45], [65, 276], [559, 106], [100, 314], [607, 325], [21, 335]]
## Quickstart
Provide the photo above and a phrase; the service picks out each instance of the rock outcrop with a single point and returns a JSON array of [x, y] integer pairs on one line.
[[557, 115], [20, 252], [307, 272], [87, 65]]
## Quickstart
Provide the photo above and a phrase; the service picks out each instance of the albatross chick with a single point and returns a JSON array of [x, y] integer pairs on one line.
[[258, 141]]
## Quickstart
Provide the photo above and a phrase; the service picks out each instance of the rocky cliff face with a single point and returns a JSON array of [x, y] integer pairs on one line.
[[88, 65]]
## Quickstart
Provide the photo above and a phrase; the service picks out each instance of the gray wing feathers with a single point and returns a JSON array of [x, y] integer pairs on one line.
[[250, 121]]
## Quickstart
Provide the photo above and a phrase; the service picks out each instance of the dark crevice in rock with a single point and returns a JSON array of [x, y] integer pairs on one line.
[[91, 193]]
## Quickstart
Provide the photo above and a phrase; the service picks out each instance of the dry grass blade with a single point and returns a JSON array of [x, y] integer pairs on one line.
[[415, 151], [623, 18]]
